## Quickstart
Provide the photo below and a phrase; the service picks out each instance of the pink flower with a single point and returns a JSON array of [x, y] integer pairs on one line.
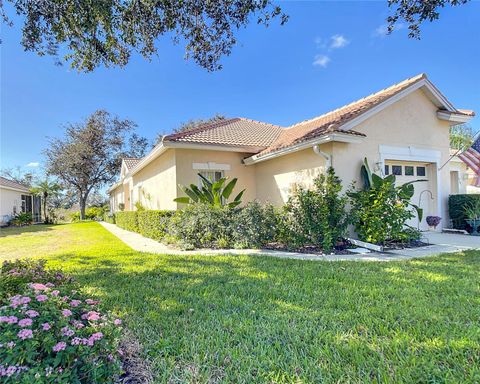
[[55, 293], [25, 334], [91, 302], [31, 313], [67, 332], [117, 322], [59, 346], [18, 300], [41, 298], [38, 286], [8, 319], [97, 336], [92, 315], [11, 344], [66, 313], [75, 303], [78, 324], [76, 341], [50, 285], [25, 322], [46, 326]]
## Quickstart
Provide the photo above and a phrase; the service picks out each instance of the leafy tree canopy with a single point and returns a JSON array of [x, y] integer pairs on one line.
[[461, 137], [106, 32], [415, 12], [89, 155]]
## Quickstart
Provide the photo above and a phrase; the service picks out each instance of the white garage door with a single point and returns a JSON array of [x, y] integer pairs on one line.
[[424, 193]]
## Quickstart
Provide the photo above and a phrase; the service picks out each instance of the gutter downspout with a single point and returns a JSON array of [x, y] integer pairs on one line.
[[326, 156]]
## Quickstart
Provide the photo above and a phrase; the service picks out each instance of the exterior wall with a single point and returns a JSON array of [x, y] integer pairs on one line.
[[276, 177], [155, 185], [10, 200], [410, 122], [187, 175], [116, 197], [461, 169]]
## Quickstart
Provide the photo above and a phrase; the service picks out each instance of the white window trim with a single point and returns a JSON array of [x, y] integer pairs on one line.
[[211, 166], [410, 153]]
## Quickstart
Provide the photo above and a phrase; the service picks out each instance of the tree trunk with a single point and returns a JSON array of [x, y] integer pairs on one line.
[[45, 207], [83, 203]]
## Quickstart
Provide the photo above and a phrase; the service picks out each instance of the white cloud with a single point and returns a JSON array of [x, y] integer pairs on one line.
[[382, 30], [338, 41], [321, 61], [33, 164]]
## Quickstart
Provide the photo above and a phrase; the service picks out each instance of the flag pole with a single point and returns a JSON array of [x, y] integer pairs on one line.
[[458, 151]]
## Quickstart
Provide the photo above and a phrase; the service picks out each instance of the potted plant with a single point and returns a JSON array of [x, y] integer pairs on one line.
[[472, 212], [433, 221]]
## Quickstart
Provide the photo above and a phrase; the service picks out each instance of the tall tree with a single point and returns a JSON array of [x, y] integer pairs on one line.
[[90, 153], [415, 12], [461, 137], [18, 175], [192, 124], [46, 189], [106, 32]]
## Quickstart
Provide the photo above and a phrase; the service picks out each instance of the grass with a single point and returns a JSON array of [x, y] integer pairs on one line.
[[241, 319]]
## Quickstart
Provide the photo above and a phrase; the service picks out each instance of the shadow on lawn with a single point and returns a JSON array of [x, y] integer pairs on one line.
[[255, 318], [13, 231]]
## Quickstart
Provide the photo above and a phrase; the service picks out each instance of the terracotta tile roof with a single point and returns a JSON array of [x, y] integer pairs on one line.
[[238, 132], [130, 162], [332, 121], [13, 184]]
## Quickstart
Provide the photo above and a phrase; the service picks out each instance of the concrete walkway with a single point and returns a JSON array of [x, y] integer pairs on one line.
[[441, 243]]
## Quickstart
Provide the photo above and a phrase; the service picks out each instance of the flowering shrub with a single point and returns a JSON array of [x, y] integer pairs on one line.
[[52, 333], [15, 274]]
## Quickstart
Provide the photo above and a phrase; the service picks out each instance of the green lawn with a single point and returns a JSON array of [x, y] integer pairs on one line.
[[240, 319]]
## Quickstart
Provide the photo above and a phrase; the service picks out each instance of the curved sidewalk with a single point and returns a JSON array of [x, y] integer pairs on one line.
[[444, 243]]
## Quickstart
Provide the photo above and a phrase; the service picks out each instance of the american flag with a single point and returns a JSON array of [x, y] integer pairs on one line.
[[471, 157]]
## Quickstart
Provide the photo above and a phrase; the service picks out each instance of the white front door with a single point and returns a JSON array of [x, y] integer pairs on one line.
[[425, 194]]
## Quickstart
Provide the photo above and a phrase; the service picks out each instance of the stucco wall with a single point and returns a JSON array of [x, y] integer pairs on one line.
[[187, 175], [10, 199], [411, 121], [155, 185], [275, 177]]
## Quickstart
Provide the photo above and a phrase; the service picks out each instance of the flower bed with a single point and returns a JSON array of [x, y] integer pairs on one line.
[[51, 332]]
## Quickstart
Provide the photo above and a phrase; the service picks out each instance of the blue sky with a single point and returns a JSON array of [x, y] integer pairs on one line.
[[328, 54]]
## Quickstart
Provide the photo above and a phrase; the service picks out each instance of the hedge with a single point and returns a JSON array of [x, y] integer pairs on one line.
[[456, 209], [153, 224], [127, 220], [109, 218]]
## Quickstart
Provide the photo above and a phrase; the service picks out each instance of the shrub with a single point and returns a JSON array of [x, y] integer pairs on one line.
[[316, 216], [254, 225], [153, 224], [22, 218], [50, 332], [456, 209], [202, 226], [20, 272], [109, 217], [127, 220]]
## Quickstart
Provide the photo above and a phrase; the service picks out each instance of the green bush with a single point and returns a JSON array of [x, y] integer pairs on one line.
[[153, 224], [254, 225], [22, 218], [316, 216], [456, 209], [202, 226], [109, 217], [127, 220]]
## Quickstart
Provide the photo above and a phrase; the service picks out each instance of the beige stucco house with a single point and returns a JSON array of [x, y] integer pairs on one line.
[[15, 198], [403, 129]]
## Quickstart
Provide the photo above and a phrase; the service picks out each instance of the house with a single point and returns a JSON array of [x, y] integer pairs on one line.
[[403, 129], [15, 198]]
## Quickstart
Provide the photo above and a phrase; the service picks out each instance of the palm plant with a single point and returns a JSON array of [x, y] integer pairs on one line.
[[46, 189], [212, 193]]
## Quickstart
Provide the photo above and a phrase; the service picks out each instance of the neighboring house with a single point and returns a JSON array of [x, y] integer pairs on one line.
[[16, 198], [403, 129], [462, 178]]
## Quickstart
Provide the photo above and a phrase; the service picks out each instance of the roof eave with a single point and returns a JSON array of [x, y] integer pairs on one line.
[[457, 118], [213, 147], [327, 138], [16, 189]]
